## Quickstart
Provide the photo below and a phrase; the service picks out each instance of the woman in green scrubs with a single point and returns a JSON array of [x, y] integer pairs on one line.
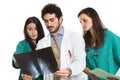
[[102, 45], [33, 31]]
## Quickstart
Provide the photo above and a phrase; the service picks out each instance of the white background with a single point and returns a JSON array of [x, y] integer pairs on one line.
[[13, 14]]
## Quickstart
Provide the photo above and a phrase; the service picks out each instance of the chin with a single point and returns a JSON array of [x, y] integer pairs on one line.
[[34, 38], [51, 31], [86, 30]]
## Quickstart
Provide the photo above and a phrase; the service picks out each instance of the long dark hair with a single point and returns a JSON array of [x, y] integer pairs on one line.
[[98, 28], [39, 28]]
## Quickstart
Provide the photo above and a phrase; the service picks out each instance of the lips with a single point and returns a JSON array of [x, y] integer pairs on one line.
[[50, 28], [33, 35]]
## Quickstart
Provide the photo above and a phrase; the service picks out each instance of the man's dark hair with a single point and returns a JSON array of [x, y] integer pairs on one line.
[[52, 9]]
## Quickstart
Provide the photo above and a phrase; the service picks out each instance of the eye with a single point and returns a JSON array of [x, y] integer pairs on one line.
[[84, 20], [52, 20], [29, 29], [80, 21], [45, 21]]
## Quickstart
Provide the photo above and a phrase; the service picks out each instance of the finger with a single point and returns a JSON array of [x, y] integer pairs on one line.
[[61, 74], [63, 78]]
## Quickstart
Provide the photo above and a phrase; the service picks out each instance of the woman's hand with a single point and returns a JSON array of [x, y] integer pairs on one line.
[[15, 62], [26, 77], [93, 77], [111, 78]]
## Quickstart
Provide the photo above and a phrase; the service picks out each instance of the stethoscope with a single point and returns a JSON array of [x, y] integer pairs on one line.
[[96, 53]]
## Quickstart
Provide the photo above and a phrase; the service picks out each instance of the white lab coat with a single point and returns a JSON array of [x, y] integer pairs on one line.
[[72, 53]]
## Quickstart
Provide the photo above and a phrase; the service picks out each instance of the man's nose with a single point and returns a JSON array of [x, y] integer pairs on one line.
[[49, 23]]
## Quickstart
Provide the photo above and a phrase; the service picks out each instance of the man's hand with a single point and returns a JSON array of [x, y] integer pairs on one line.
[[64, 73]]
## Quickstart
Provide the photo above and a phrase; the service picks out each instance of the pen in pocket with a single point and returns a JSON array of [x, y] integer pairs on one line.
[[70, 54]]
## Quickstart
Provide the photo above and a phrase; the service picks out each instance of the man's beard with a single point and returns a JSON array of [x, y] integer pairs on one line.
[[56, 29]]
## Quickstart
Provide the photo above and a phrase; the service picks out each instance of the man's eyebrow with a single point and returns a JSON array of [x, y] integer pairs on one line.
[[49, 19]]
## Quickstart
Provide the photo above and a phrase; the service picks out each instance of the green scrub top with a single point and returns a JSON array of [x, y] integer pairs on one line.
[[107, 57], [23, 47]]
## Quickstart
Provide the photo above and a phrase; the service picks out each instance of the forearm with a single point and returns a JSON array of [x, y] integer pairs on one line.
[[92, 76], [87, 71]]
